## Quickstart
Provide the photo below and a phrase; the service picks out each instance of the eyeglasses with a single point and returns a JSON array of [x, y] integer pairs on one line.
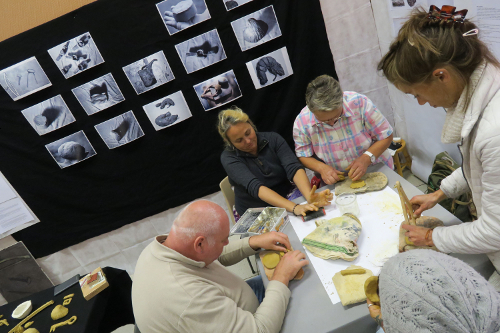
[[334, 119]]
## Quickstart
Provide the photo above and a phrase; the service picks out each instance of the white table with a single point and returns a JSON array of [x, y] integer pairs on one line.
[[310, 309]]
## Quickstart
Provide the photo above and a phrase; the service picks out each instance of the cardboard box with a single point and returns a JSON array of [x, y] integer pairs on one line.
[[93, 283]]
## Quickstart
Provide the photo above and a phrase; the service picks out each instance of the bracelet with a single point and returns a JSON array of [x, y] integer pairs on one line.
[[293, 210], [428, 235]]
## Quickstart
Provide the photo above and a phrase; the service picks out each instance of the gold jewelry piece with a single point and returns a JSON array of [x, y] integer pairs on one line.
[[70, 321]]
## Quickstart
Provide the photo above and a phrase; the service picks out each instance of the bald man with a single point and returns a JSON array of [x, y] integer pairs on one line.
[[180, 284]]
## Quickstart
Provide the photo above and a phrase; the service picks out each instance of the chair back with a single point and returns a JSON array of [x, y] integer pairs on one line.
[[228, 193]]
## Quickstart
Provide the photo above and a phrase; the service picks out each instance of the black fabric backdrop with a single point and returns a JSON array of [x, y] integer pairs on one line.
[[163, 169]]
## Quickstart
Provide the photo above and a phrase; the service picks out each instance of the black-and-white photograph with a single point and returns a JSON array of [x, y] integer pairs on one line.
[[178, 15], [71, 150], [167, 111], [49, 115], [23, 79], [149, 73], [231, 4], [256, 28], [120, 130], [218, 91], [76, 55], [98, 94], [271, 68], [398, 3], [201, 51]]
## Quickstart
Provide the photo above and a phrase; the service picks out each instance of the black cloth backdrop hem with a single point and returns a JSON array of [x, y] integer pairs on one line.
[[163, 169]]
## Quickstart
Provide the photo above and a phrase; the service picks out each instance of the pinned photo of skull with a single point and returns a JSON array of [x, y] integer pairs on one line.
[[167, 111], [231, 4], [98, 94], [270, 68], [149, 72], [256, 28], [76, 55], [218, 91], [71, 150], [49, 115], [178, 15], [120, 130], [201, 51], [24, 78]]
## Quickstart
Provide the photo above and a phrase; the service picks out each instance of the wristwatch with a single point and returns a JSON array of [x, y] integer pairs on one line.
[[372, 157]]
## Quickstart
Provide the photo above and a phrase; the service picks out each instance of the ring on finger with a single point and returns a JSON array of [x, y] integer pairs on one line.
[[370, 304]]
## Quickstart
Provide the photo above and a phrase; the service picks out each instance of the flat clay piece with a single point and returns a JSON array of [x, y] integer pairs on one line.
[[358, 184], [371, 289], [351, 288], [270, 272], [59, 312], [375, 181], [271, 260], [28, 324], [31, 330]]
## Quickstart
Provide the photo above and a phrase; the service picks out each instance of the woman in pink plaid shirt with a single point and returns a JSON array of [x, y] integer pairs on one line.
[[340, 131]]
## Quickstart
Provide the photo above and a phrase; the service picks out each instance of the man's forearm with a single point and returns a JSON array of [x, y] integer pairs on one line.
[[378, 147], [312, 163]]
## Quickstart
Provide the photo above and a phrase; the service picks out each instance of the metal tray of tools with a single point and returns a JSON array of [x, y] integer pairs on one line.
[[257, 221]]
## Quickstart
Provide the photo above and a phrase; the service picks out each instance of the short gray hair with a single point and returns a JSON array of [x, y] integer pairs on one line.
[[324, 94]]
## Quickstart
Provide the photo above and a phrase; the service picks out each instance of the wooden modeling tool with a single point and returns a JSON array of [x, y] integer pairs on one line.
[[405, 243]]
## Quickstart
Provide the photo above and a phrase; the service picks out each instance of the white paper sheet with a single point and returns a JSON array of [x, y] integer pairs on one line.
[[6, 193], [488, 14], [380, 216], [13, 213]]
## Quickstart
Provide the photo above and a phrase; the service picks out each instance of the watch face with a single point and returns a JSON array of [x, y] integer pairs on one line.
[[372, 158]]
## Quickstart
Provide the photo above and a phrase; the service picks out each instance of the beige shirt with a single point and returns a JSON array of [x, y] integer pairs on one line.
[[172, 293]]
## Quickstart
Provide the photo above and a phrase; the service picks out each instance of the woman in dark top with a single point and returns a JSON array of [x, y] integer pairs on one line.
[[260, 166]]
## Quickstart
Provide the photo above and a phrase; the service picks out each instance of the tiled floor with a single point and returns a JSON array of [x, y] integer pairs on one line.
[[417, 182]]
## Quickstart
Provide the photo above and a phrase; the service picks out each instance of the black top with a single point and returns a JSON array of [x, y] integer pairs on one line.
[[274, 167]]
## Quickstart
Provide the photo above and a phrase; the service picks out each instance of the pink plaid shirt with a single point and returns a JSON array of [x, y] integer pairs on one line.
[[360, 125]]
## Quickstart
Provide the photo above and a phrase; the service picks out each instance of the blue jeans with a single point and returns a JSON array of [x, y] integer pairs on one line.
[[258, 287]]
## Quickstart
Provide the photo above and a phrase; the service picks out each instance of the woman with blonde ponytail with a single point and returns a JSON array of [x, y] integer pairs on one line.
[[439, 58]]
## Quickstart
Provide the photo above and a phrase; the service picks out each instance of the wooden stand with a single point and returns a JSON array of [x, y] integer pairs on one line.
[[407, 163]]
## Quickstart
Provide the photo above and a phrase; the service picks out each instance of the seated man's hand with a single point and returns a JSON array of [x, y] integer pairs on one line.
[[273, 240], [289, 266], [357, 169], [330, 175], [320, 199]]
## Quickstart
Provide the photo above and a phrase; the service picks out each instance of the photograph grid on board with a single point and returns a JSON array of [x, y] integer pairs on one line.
[[168, 111], [71, 150], [119, 130], [256, 28], [218, 90], [76, 55], [178, 15], [149, 72], [24, 78], [271, 68], [98, 94], [201, 51], [49, 115]]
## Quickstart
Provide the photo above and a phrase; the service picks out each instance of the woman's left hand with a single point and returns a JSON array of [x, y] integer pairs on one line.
[[375, 313], [320, 199], [357, 169], [303, 209], [417, 235]]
